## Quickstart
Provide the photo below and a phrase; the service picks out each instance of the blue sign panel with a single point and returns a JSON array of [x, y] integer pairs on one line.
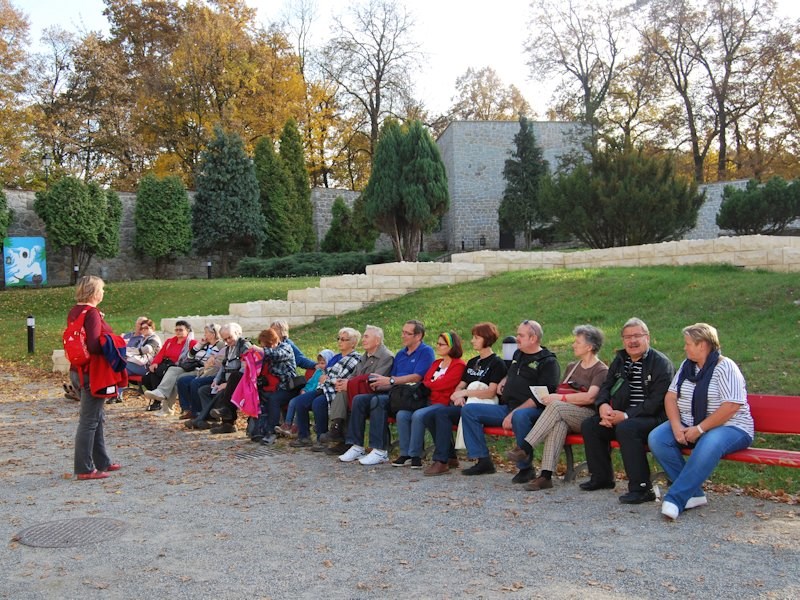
[[24, 261]]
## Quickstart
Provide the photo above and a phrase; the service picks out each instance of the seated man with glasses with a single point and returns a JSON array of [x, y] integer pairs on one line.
[[532, 365], [630, 404], [410, 365]]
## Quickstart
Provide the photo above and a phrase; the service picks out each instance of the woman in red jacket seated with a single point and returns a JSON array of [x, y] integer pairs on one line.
[[91, 457], [173, 350], [441, 379]]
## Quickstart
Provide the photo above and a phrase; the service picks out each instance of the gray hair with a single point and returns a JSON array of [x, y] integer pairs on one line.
[[635, 322], [214, 328], [535, 328], [353, 334], [378, 331], [232, 328], [281, 327], [593, 336]]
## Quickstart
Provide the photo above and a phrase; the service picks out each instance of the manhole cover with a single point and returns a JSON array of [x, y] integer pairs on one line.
[[259, 451], [70, 532]]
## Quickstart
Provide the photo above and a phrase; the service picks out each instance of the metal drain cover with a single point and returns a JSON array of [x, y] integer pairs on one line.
[[259, 451], [70, 532]]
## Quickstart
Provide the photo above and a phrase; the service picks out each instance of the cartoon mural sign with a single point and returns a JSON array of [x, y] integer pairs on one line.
[[24, 261]]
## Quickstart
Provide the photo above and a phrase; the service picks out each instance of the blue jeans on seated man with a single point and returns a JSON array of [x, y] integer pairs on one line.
[[271, 404], [304, 404], [376, 408], [188, 392], [440, 422], [411, 429], [474, 417], [688, 474]]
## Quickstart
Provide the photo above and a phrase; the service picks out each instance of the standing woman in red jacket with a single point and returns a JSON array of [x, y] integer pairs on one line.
[[91, 458], [441, 379]]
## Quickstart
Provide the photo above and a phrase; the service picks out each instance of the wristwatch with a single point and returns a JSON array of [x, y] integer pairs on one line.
[[391, 380]]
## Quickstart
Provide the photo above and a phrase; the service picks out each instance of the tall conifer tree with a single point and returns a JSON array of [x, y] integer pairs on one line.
[[291, 151], [276, 193]]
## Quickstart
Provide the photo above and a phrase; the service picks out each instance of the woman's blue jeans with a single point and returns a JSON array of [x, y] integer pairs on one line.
[[411, 429], [304, 404], [688, 474]]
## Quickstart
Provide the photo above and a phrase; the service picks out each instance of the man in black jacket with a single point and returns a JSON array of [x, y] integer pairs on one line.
[[630, 404]]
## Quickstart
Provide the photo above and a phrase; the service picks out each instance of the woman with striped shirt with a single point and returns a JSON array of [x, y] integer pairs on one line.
[[707, 410]]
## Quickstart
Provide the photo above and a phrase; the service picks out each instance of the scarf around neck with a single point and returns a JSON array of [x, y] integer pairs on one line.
[[701, 381]]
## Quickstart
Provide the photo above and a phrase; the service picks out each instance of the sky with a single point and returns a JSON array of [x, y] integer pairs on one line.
[[454, 35]]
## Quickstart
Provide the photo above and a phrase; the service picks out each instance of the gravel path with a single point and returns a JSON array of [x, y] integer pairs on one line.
[[204, 523]]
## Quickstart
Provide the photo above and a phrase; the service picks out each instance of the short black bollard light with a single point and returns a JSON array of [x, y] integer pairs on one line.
[[31, 329], [208, 269]]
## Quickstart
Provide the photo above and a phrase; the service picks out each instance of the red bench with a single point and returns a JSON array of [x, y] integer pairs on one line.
[[771, 415]]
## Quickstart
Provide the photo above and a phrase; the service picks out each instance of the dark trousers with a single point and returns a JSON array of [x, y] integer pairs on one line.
[[440, 423], [632, 437], [90, 445], [272, 403], [223, 399]]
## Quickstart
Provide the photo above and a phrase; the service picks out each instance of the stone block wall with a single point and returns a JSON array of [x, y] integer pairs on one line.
[[474, 154]]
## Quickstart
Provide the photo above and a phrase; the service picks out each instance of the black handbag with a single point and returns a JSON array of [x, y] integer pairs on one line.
[[151, 380], [409, 397]]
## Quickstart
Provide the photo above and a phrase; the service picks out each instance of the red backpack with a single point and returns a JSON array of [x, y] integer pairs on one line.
[[74, 340]]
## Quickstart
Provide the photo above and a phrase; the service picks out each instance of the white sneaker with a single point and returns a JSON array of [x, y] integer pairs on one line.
[[354, 453], [376, 457], [154, 395], [669, 510], [696, 501]]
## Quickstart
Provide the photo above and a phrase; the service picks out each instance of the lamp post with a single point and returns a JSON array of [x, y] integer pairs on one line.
[[47, 160]]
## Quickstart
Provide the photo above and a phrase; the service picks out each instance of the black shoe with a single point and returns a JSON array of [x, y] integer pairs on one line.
[[638, 497], [200, 424], [482, 467], [593, 485], [337, 449], [416, 462], [256, 438], [524, 475], [154, 405], [221, 413], [319, 447], [335, 434], [224, 428]]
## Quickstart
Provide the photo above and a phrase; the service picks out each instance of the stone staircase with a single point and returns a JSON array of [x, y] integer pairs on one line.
[[339, 295]]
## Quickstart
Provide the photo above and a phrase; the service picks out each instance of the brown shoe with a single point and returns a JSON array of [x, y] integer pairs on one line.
[[437, 468], [453, 463], [517, 454], [337, 449], [187, 414], [540, 483]]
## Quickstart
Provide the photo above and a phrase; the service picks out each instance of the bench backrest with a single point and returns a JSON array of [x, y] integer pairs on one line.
[[775, 414]]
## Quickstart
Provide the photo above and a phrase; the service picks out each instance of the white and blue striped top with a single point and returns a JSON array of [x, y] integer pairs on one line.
[[727, 385]]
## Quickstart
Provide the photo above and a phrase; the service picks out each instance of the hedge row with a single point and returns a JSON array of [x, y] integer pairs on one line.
[[306, 264]]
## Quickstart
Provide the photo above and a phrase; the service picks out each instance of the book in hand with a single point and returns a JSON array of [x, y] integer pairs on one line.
[[539, 392]]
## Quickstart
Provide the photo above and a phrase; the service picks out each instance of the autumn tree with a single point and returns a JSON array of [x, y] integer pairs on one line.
[[482, 96], [407, 191], [371, 57], [14, 64], [301, 211], [623, 197], [84, 218], [520, 209], [275, 193], [163, 220], [226, 216], [579, 43]]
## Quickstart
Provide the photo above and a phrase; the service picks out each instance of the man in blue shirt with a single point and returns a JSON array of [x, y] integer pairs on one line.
[[410, 365]]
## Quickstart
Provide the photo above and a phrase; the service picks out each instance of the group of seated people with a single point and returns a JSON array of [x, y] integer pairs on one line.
[[639, 400]]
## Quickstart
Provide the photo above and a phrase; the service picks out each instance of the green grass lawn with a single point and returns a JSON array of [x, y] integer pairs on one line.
[[754, 311]]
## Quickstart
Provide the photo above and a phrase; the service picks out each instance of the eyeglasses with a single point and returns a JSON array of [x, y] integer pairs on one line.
[[342, 339], [442, 344], [408, 333], [633, 337]]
